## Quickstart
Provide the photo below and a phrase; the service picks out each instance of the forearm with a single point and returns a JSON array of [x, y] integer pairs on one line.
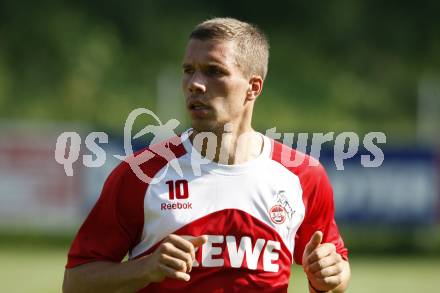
[[100, 276]]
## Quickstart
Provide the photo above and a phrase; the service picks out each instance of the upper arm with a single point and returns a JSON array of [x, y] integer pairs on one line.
[[318, 199], [113, 225]]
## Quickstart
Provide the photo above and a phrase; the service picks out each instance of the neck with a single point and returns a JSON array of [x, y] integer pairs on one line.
[[233, 145]]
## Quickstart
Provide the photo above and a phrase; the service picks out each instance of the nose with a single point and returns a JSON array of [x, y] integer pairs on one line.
[[197, 83]]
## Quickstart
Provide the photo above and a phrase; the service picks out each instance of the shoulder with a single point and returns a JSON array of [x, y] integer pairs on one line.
[[302, 165], [127, 184], [148, 161]]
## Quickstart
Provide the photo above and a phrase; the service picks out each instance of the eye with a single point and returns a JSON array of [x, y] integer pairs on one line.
[[188, 70], [215, 71]]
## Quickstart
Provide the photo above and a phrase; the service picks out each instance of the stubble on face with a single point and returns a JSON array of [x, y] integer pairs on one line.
[[213, 84]]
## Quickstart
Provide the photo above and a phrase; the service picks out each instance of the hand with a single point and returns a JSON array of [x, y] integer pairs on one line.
[[173, 258], [322, 264]]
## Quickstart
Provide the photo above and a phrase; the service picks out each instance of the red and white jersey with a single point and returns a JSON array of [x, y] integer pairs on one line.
[[258, 217]]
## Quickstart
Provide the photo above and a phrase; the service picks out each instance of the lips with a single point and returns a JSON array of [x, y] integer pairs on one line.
[[198, 108], [197, 105]]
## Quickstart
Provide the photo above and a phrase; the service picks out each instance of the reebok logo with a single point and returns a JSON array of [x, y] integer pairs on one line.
[[176, 206]]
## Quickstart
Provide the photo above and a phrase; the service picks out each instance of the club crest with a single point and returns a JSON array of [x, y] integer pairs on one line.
[[282, 208], [277, 214]]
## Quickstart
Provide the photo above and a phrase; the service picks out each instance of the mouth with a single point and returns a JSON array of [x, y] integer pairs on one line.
[[198, 109]]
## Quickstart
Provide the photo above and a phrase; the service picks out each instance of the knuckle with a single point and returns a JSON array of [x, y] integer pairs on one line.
[[192, 251], [332, 281], [331, 271], [162, 257], [189, 259], [323, 273], [316, 254], [172, 238], [339, 268], [182, 266], [339, 257], [338, 280], [327, 281], [188, 246], [165, 247]]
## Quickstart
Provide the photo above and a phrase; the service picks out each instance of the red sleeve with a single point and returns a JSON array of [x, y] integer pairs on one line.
[[318, 201], [115, 223], [320, 210]]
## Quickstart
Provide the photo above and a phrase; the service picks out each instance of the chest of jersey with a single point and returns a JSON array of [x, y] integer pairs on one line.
[[260, 208]]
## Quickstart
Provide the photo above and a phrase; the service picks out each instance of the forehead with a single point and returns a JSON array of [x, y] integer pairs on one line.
[[210, 51]]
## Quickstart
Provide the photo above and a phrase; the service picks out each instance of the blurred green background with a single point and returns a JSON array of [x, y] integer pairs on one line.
[[354, 64], [342, 65]]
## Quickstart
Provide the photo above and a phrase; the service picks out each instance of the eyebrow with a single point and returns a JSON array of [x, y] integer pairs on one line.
[[209, 64]]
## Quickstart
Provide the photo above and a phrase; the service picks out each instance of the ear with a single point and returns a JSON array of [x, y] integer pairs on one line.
[[255, 87]]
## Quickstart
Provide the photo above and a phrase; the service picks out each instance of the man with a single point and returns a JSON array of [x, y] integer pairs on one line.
[[237, 220]]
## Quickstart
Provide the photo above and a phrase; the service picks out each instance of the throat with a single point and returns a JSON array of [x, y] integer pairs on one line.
[[230, 148]]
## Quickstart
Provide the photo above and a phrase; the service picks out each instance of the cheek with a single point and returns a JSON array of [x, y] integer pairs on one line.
[[234, 100], [229, 95], [184, 83], [235, 87], [237, 92], [217, 88]]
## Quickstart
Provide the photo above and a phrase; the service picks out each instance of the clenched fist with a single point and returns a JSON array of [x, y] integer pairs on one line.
[[324, 267], [173, 258]]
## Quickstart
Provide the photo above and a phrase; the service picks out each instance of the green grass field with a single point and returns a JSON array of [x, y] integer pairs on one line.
[[40, 270]]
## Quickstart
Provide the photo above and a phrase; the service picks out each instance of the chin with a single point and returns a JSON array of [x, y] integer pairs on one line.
[[206, 125]]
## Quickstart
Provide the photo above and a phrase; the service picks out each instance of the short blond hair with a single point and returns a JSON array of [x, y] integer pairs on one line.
[[252, 45]]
